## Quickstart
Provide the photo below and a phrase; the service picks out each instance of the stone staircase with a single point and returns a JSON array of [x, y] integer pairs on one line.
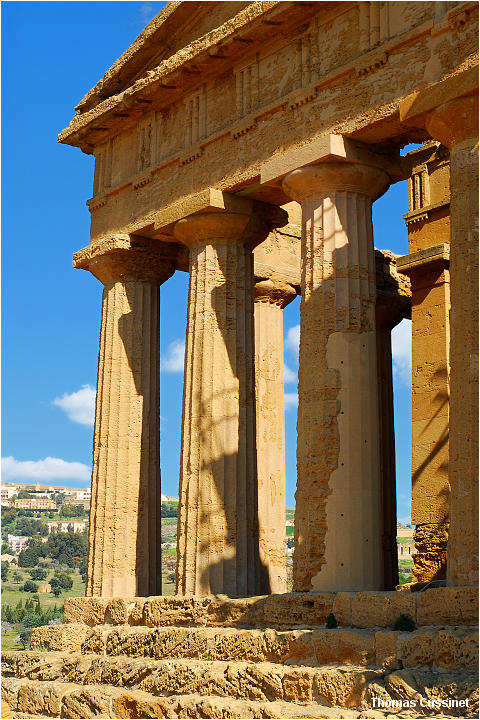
[[268, 657]]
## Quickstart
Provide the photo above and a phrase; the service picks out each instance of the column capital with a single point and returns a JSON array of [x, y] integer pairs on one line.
[[274, 292], [332, 177], [455, 121], [226, 227], [127, 259], [215, 228]]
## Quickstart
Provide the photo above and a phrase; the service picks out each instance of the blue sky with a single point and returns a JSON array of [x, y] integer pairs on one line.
[[52, 54]]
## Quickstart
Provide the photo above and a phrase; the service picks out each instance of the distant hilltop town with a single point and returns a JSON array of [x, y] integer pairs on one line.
[[42, 497]]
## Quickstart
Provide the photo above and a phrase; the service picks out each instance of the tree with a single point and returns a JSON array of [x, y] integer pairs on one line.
[[4, 570], [56, 587], [24, 637], [17, 577], [24, 495], [64, 579], [30, 526], [32, 619], [68, 510], [5, 548], [38, 574], [30, 586]]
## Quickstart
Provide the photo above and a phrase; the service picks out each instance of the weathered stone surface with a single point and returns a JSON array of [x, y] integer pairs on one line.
[[371, 609], [338, 489], [386, 650], [59, 637], [447, 606], [439, 606], [270, 299]]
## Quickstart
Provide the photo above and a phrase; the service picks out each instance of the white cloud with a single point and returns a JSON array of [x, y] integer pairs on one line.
[[290, 400], [402, 353], [292, 341], [48, 469], [405, 520], [173, 361], [146, 10], [289, 376], [79, 406]]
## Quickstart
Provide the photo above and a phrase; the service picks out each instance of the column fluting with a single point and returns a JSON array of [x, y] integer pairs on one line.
[[218, 549], [125, 532], [270, 299]]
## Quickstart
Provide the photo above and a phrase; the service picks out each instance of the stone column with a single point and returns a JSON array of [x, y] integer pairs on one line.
[[270, 299], [218, 525], [455, 124], [125, 519], [386, 318], [338, 524], [429, 275]]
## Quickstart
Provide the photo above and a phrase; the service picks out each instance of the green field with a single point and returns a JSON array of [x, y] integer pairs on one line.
[[11, 593]]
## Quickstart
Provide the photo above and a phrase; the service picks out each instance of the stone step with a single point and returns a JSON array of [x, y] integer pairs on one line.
[[42, 698], [429, 647], [438, 606], [333, 685]]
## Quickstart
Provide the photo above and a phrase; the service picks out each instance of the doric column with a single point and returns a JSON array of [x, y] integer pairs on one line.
[[338, 526], [218, 525], [386, 317], [455, 124], [270, 299], [125, 518]]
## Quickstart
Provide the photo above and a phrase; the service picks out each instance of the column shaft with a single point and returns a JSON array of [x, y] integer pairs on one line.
[[387, 449], [218, 525], [338, 526], [124, 541], [270, 299], [455, 124]]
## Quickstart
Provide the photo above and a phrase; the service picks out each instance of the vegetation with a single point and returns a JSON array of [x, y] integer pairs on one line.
[[30, 586], [67, 548], [72, 511], [405, 622], [331, 621], [169, 510]]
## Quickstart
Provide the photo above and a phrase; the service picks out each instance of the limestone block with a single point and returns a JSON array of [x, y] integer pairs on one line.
[[344, 646], [135, 704], [297, 686], [343, 688], [416, 648], [257, 682], [175, 611], [222, 610], [59, 637], [86, 702], [135, 612], [402, 685], [457, 648], [381, 609], [34, 700], [447, 606], [135, 642], [90, 610], [117, 611], [466, 651], [298, 608], [342, 608], [386, 650], [95, 641], [179, 642]]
